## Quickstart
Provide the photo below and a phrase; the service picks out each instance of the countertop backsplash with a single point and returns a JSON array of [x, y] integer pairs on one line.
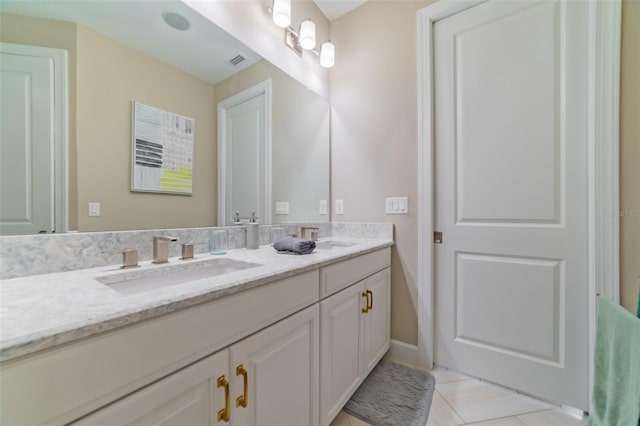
[[26, 255]]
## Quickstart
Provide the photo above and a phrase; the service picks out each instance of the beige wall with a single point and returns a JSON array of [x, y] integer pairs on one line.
[[374, 135], [110, 76], [60, 35], [300, 140], [630, 155], [374, 147]]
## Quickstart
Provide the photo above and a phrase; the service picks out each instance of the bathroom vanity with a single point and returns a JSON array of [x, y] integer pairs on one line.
[[286, 341]]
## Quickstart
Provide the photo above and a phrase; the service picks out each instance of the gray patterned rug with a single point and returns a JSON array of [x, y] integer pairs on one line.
[[393, 395]]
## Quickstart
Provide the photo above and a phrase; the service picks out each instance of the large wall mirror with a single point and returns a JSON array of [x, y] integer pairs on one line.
[[119, 52]]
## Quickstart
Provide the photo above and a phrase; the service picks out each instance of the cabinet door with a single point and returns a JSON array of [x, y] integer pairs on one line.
[[377, 319], [276, 372], [188, 397], [341, 343]]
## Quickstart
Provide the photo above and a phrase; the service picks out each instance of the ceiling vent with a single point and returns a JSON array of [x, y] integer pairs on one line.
[[237, 60]]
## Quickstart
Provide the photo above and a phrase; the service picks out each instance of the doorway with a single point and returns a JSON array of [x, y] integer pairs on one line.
[[244, 155], [506, 155]]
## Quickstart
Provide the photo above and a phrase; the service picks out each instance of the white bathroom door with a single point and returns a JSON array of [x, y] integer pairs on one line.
[[511, 196], [26, 144]]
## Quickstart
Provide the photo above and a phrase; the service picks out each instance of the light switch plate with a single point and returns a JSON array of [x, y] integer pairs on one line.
[[396, 205], [339, 206], [94, 208], [322, 207], [282, 207]]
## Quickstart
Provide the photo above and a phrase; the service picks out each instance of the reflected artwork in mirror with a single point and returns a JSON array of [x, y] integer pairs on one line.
[[188, 70]]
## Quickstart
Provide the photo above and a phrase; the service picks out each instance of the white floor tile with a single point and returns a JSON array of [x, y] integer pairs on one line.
[[476, 401], [441, 414], [357, 422], [443, 375], [505, 421], [342, 419], [555, 417]]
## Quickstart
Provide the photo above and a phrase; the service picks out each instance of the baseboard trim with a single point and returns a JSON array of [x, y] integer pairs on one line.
[[403, 353]]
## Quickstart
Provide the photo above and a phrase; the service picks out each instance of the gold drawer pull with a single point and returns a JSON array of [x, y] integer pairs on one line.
[[366, 306], [370, 306], [241, 401], [224, 413]]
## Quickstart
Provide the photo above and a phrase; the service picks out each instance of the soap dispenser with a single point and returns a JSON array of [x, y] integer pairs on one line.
[[253, 233]]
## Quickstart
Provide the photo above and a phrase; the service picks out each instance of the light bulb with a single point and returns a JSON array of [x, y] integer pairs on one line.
[[327, 54], [308, 35], [282, 13]]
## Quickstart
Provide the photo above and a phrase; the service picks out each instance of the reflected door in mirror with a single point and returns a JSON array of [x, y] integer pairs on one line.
[[245, 157], [27, 148]]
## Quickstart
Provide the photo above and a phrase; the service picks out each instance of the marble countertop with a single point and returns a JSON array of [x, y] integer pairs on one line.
[[43, 311]]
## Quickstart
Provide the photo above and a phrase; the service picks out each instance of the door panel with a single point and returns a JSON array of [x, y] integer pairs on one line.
[[377, 322], [245, 130], [341, 343], [27, 145], [521, 143], [524, 320], [188, 397], [511, 273], [282, 373]]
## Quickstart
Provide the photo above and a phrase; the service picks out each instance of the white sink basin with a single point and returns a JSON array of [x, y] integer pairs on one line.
[[154, 277], [331, 244]]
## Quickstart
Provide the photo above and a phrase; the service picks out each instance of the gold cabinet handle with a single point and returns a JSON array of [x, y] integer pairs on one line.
[[224, 413], [370, 300], [366, 306], [241, 401]]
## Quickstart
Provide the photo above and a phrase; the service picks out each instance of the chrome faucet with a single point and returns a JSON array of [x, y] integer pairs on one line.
[[309, 232], [161, 249]]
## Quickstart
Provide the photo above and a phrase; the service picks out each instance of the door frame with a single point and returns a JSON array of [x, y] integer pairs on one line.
[[60, 124], [261, 88], [603, 162]]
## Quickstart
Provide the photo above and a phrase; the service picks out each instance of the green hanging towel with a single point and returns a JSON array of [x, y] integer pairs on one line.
[[616, 377]]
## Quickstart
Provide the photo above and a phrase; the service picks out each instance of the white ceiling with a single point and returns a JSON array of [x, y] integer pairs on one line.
[[333, 9], [203, 51]]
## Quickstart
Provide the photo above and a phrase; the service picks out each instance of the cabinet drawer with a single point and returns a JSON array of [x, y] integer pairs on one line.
[[71, 381], [335, 277]]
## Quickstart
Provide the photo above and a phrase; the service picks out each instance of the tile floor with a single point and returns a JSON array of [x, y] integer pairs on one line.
[[462, 400]]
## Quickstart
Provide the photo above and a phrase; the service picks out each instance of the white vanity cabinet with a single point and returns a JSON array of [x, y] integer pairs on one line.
[[287, 353], [355, 327], [377, 319], [276, 374], [198, 395], [270, 378]]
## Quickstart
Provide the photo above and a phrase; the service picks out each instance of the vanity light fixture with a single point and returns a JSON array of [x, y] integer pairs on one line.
[[305, 38], [281, 11], [327, 54]]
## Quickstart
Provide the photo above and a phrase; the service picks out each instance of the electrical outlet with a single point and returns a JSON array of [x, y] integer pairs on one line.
[[396, 205], [94, 208], [322, 207], [282, 207], [339, 206]]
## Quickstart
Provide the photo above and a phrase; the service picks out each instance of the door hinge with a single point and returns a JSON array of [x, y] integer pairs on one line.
[[437, 237]]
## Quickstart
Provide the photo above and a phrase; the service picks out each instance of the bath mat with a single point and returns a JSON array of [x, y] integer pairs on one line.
[[393, 395]]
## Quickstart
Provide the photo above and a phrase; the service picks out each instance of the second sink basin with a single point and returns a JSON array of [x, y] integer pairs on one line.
[[330, 244], [140, 280]]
